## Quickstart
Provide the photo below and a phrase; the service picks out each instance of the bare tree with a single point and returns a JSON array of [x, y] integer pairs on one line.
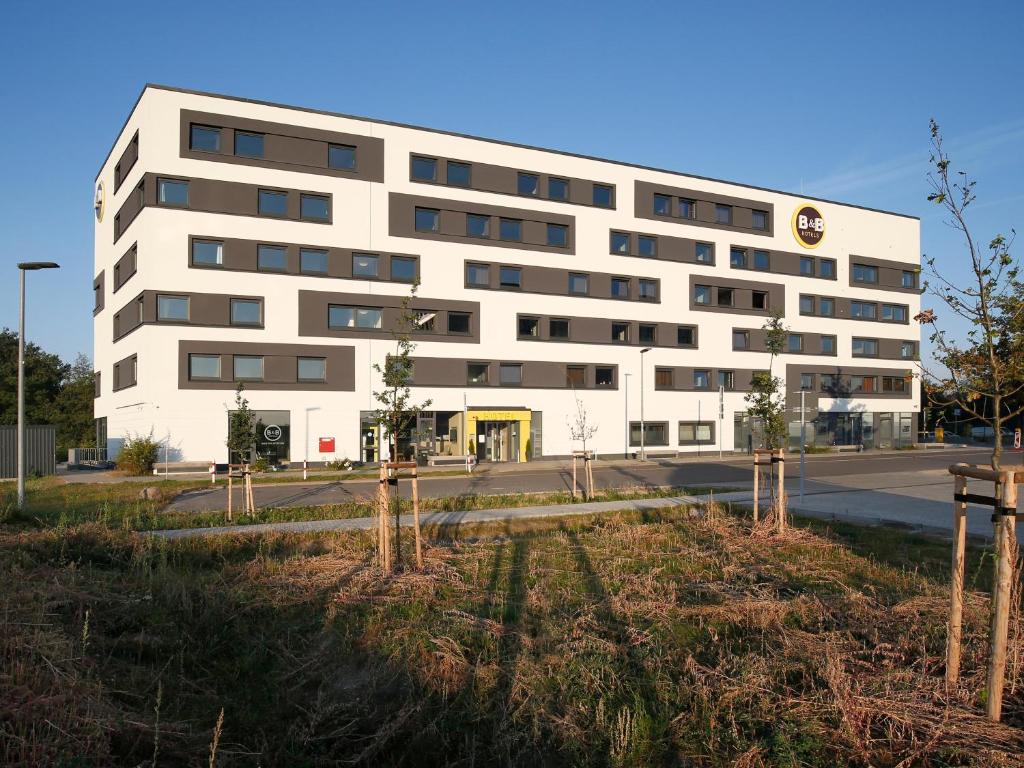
[[988, 365], [580, 428]]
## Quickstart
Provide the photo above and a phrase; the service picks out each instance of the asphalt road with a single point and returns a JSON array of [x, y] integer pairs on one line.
[[824, 472]]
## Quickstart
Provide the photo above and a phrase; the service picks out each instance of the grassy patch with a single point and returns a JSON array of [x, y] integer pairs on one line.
[[624, 640]]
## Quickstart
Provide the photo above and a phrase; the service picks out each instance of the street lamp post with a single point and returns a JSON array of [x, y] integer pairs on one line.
[[24, 267], [643, 447]]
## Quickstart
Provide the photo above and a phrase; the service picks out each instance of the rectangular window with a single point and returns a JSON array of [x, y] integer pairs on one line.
[[908, 279], [702, 294], [828, 345], [529, 326], [424, 321], [341, 157], [663, 205], [459, 174], [863, 310], [204, 138], [806, 305], [655, 433], [511, 230], [620, 287], [558, 189], [603, 197], [478, 226], [248, 368], [687, 208], [862, 273], [172, 308], [248, 144], [246, 312], [313, 261], [510, 277], [725, 297], [620, 242], [647, 333], [478, 275], [424, 169], [273, 203], [209, 253], [737, 258], [579, 284], [314, 207], [604, 377], [863, 384], [827, 268], [558, 328], [368, 318], [826, 307], [510, 374], [705, 253], [575, 376], [528, 184], [427, 220], [311, 369], [696, 432], [663, 378], [647, 246], [908, 350], [894, 313], [701, 379], [807, 266], [365, 265], [762, 261], [648, 290], [204, 366], [271, 257], [476, 373], [353, 317], [685, 335], [865, 347], [558, 235], [172, 192], [759, 220], [894, 384], [403, 269], [795, 343], [458, 322], [829, 382], [807, 382], [726, 380], [740, 340], [620, 333], [723, 214]]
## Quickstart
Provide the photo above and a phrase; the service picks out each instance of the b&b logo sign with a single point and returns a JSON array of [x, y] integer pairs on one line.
[[808, 226]]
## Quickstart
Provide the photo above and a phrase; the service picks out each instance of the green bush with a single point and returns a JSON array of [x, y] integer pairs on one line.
[[138, 455]]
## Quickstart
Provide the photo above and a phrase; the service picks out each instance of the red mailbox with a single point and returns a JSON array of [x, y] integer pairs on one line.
[[326, 445]]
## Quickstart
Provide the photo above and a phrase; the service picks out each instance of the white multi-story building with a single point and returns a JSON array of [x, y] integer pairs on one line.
[[240, 241]]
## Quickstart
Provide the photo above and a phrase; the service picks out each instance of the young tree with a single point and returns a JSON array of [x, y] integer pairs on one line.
[[241, 428], [396, 410], [580, 428], [988, 365], [766, 400]]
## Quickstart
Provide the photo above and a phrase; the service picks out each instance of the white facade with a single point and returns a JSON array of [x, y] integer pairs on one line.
[[194, 421]]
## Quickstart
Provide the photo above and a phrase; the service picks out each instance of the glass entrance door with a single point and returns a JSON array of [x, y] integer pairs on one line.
[[500, 440]]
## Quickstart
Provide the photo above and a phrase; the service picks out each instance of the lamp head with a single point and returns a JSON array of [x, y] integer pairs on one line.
[[33, 265]]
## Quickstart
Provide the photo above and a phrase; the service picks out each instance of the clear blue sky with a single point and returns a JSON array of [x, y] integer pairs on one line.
[[832, 99]]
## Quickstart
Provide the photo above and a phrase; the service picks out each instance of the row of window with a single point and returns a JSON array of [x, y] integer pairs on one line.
[[686, 208], [868, 274], [794, 343], [665, 378], [482, 226], [655, 433], [823, 306], [460, 174], [271, 202], [511, 278], [511, 375], [207, 138], [341, 317], [726, 297], [250, 368], [529, 327], [831, 383], [312, 261], [177, 309]]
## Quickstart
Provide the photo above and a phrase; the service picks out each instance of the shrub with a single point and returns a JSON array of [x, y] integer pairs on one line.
[[138, 454]]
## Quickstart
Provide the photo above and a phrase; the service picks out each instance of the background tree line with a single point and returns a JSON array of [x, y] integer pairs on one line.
[[56, 392]]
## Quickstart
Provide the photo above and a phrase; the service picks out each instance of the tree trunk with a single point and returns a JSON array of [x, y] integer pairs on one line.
[[997, 428]]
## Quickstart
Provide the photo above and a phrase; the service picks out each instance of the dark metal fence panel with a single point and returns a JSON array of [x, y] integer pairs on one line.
[[40, 447]]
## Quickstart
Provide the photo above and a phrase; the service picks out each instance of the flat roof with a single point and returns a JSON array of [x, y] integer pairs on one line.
[[158, 86]]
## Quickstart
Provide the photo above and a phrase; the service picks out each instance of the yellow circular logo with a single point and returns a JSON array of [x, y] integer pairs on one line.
[[808, 225], [99, 202]]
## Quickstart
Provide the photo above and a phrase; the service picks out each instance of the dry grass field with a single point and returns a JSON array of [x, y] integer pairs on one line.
[[624, 640]]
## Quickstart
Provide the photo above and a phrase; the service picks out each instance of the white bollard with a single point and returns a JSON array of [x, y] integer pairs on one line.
[[305, 470], [213, 473]]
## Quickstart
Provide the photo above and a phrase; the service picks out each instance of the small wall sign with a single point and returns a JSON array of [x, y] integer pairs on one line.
[[272, 432], [326, 445], [808, 225]]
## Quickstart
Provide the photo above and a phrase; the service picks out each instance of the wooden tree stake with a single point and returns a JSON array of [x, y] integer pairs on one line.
[[757, 492], [780, 498], [229, 492], [956, 596], [1007, 494], [590, 475], [574, 475], [416, 518]]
